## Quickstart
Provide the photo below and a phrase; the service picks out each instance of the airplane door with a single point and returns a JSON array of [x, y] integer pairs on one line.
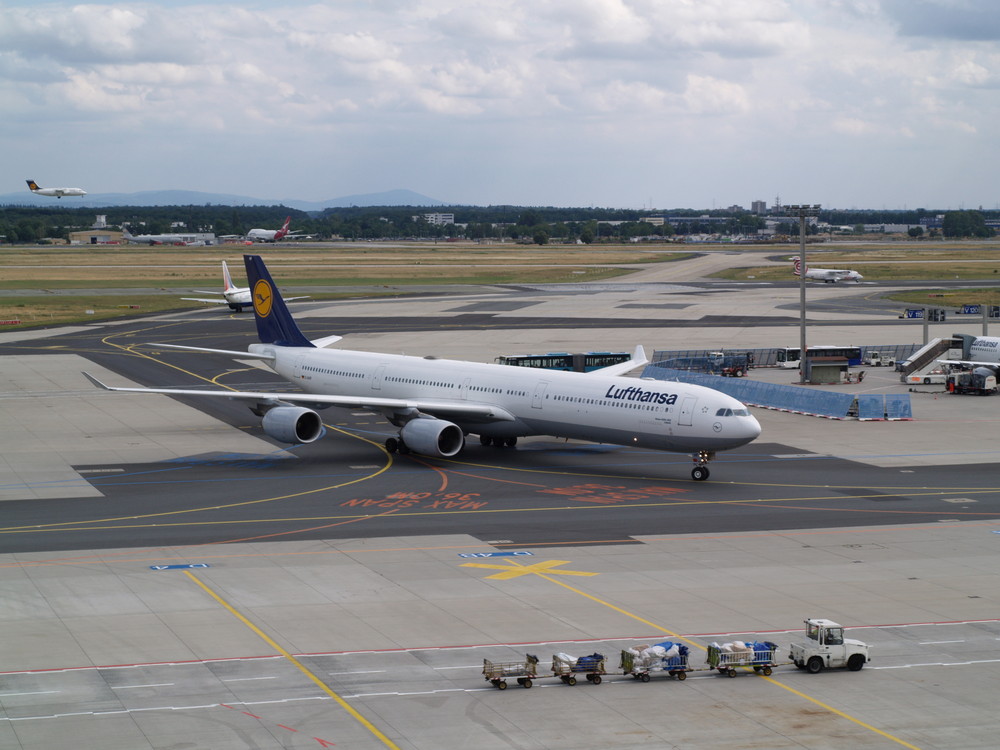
[[463, 390], [297, 368], [377, 378], [687, 410], [536, 400]]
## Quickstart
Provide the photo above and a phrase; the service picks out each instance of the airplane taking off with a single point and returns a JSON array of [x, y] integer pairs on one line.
[[435, 402], [269, 235], [828, 275], [54, 192], [237, 297]]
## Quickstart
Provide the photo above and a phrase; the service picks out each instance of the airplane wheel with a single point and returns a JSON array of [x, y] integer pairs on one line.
[[510, 442], [699, 473], [391, 445], [485, 440]]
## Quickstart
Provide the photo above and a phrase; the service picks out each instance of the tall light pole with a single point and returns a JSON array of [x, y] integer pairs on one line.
[[802, 211]]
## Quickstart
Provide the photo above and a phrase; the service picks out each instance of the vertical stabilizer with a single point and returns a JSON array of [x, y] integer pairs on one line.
[[280, 234], [227, 280], [275, 324]]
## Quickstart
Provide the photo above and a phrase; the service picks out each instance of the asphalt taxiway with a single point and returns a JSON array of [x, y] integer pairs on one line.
[[343, 595]]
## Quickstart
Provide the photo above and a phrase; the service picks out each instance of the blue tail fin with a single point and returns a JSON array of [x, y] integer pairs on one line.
[[275, 324]]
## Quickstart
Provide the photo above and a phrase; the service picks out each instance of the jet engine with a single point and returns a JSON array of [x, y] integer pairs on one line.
[[292, 424], [433, 437]]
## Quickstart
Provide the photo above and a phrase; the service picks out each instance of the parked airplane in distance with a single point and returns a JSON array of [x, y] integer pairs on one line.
[[983, 351], [54, 192], [435, 402], [269, 235], [828, 275], [160, 239], [237, 297]]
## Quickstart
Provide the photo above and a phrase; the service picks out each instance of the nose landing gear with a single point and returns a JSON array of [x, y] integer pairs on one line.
[[700, 472]]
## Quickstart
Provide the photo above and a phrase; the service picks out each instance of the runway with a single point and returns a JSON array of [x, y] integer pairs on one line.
[[334, 579]]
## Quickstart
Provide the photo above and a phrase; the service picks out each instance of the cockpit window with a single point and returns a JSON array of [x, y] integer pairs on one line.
[[732, 413]]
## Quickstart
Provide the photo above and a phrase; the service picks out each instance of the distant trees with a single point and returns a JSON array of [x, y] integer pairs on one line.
[[965, 224]]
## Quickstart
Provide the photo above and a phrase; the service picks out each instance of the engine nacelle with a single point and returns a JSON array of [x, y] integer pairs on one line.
[[433, 437], [292, 424]]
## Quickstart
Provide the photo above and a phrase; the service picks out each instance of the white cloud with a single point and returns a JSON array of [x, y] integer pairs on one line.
[[409, 86]]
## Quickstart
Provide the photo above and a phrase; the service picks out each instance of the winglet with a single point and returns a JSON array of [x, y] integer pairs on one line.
[[275, 324], [96, 382]]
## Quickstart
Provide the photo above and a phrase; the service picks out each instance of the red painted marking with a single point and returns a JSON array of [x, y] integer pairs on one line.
[[324, 743], [252, 716], [288, 728]]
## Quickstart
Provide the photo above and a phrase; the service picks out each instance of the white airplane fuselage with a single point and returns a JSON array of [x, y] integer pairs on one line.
[[661, 415]]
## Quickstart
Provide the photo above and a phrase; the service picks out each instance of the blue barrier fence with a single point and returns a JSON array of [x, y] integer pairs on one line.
[[811, 401]]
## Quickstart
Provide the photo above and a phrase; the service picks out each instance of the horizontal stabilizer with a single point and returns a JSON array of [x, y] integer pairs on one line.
[[227, 352], [326, 341], [638, 360]]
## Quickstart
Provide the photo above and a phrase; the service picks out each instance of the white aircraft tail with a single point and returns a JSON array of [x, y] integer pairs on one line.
[[227, 280], [797, 266]]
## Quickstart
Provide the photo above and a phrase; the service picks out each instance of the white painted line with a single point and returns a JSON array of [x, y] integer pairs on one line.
[[933, 643], [248, 679], [369, 671], [40, 692], [943, 664], [135, 687]]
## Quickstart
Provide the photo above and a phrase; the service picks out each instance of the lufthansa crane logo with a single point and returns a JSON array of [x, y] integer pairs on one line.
[[263, 296]]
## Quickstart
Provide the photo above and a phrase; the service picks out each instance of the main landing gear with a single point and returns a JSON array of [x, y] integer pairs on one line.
[[396, 445], [498, 442], [700, 472]]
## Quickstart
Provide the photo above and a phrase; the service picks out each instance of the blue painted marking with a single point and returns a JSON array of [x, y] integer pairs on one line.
[[178, 567], [493, 554]]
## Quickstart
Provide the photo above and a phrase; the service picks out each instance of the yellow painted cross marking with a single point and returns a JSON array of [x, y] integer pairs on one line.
[[516, 570]]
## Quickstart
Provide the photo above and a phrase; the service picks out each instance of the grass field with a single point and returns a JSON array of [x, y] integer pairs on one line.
[[40, 275]]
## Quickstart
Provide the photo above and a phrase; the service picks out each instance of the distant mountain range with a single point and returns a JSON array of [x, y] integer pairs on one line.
[[195, 198]]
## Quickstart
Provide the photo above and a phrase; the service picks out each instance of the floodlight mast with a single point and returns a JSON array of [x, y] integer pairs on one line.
[[802, 211]]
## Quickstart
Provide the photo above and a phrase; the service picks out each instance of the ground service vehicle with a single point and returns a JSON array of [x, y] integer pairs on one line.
[[728, 365], [790, 356], [825, 647], [577, 362], [981, 382], [877, 359], [927, 378]]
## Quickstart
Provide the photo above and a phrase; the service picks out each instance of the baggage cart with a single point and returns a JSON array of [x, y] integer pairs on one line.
[[566, 668], [757, 655], [675, 666], [497, 673]]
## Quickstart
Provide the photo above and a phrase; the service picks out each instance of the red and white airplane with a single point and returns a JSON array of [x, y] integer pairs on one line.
[[827, 275], [269, 235]]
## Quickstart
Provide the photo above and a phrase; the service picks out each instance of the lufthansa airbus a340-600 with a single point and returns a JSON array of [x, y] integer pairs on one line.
[[436, 403]]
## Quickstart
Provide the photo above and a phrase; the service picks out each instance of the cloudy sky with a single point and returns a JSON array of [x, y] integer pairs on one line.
[[617, 103]]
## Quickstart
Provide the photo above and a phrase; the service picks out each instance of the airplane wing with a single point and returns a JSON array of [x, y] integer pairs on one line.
[[968, 363], [464, 410], [638, 359], [219, 301]]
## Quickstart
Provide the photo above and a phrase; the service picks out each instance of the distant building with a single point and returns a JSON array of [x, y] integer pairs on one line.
[[656, 221], [439, 219], [97, 236], [758, 207]]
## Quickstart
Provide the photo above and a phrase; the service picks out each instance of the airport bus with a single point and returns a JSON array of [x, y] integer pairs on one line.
[[790, 355], [578, 362]]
